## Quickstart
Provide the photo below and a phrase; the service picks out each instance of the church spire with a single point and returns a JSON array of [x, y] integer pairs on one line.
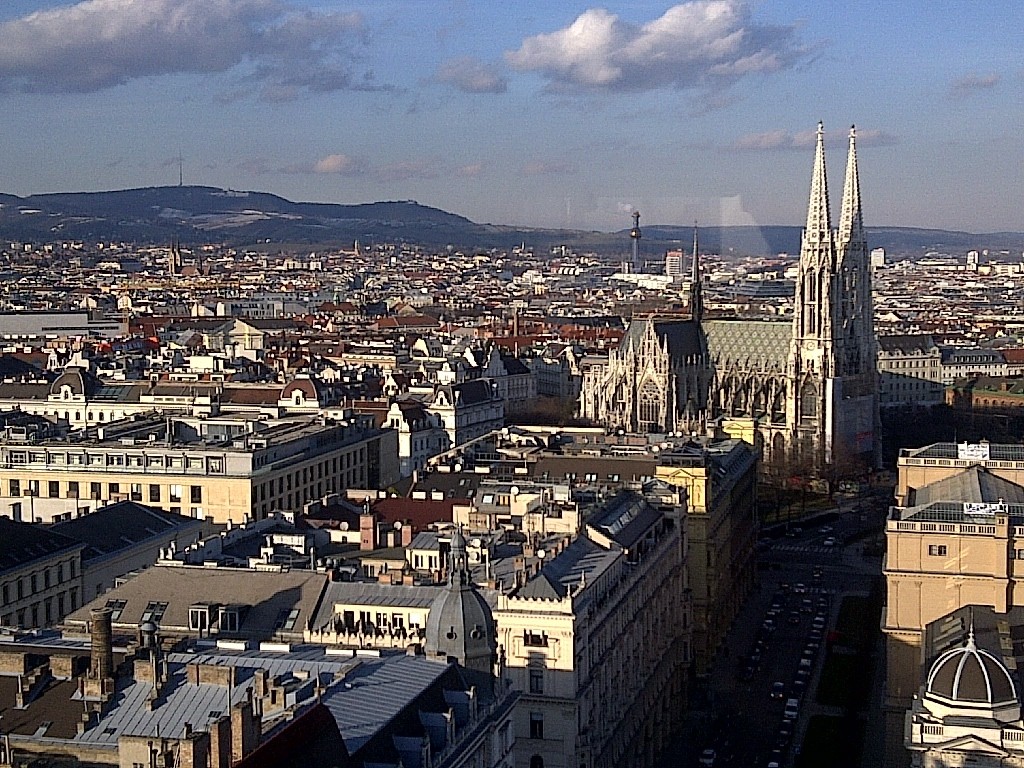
[[696, 291], [851, 225], [819, 221]]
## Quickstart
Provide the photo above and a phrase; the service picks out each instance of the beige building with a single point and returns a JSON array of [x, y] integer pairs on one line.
[[720, 481], [955, 538], [225, 468], [599, 642], [967, 709]]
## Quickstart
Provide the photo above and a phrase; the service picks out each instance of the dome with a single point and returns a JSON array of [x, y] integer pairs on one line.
[[971, 677], [460, 623]]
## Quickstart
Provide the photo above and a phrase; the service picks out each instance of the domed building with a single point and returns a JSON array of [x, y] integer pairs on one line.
[[967, 712], [460, 624]]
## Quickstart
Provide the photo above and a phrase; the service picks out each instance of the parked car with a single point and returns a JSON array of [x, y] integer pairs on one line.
[[778, 690], [707, 758], [792, 709]]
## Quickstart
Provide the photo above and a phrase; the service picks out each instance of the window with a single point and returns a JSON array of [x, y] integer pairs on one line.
[[535, 639], [6, 594], [536, 725], [536, 680], [35, 584], [114, 489], [117, 606], [53, 489], [94, 490], [196, 494], [199, 618], [73, 489], [154, 612], [1019, 554], [937, 550], [154, 494], [229, 618], [286, 619], [175, 493], [136, 492]]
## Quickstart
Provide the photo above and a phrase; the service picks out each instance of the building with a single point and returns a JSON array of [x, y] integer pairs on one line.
[[955, 538], [421, 435], [124, 537], [40, 575], [967, 710], [720, 481], [39, 327], [598, 642], [225, 468], [986, 393], [467, 410], [808, 386], [909, 371]]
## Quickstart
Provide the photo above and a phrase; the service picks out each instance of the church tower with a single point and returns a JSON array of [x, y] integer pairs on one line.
[[696, 290]]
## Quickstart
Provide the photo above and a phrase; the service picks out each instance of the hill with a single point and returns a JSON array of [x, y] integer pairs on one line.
[[207, 214]]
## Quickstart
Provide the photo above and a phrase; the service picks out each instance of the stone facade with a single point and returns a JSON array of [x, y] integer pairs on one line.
[[809, 386]]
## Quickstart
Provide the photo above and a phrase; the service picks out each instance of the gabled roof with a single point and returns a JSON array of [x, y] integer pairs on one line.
[[123, 525], [25, 543]]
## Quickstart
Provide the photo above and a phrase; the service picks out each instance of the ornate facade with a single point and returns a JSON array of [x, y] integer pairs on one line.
[[807, 388]]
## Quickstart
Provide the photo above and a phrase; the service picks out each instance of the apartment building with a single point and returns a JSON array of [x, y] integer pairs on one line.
[[909, 371], [225, 468], [40, 575], [598, 642], [954, 538], [720, 480]]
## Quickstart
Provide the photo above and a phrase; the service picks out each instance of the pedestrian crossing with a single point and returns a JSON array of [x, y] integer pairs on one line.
[[807, 549]]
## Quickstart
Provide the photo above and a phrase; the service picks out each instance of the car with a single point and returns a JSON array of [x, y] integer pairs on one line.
[[819, 572], [794, 618], [806, 606], [799, 686], [778, 690], [815, 636], [803, 673], [819, 622], [707, 758], [792, 710], [784, 587], [755, 657], [829, 542], [799, 588], [785, 734], [825, 529], [768, 625], [813, 646]]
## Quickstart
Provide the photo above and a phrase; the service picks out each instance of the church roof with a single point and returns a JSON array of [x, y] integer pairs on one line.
[[762, 342], [682, 336], [971, 675]]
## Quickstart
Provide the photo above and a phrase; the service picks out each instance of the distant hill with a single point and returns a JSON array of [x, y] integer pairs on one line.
[[207, 214]]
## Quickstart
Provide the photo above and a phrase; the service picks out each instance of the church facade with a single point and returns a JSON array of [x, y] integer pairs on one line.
[[807, 388]]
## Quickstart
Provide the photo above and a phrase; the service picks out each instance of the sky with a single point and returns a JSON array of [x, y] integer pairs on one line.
[[527, 112]]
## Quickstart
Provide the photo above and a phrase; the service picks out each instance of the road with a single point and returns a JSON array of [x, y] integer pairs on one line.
[[801, 578]]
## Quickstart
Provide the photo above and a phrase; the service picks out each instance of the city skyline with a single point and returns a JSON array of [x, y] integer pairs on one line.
[[521, 113]]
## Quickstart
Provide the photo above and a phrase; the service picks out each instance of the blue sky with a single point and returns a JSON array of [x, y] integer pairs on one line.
[[526, 112]]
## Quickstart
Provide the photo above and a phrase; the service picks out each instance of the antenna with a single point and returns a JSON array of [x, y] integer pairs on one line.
[[181, 169]]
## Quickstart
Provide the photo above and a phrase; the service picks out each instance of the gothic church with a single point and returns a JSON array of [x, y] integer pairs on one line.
[[806, 389]]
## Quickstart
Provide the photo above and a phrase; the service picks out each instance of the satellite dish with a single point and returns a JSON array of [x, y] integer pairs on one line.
[[514, 490], [541, 554], [458, 466], [655, 449], [398, 525], [475, 542], [343, 526]]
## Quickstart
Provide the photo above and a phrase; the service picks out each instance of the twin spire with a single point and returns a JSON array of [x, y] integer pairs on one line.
[[819, 220]]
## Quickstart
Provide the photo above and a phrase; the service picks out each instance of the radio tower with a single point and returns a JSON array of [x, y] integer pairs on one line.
[[634, 235]]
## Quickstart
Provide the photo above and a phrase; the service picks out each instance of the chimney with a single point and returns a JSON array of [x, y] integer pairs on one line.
[[406, 534], [245, 730], [367, 530], [101, 663]]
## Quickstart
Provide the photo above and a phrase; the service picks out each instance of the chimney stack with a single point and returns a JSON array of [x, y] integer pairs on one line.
[[101, 662]]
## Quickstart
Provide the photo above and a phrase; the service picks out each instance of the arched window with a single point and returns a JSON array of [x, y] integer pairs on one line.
[[650, 404], [808, 404]]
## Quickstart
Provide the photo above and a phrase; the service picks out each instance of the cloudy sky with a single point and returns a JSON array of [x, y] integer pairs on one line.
[[527, 112]]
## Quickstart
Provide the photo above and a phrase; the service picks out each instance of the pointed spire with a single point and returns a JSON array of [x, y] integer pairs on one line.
[[851, 227], [696, 291], [819, 221]]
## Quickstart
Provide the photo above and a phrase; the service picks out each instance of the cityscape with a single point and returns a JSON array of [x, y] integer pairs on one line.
[[354, 413]]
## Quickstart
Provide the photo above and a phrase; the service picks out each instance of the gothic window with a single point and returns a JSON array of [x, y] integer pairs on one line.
[[779, 408], [650, 406], [739, 401], [757, 405], [808, 404]]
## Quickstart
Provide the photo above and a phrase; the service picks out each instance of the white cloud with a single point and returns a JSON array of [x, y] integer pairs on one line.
[[547, 167], [97, 44], [472, 76], [338, 163], [973, 83], [775, 140], [701, 44]]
